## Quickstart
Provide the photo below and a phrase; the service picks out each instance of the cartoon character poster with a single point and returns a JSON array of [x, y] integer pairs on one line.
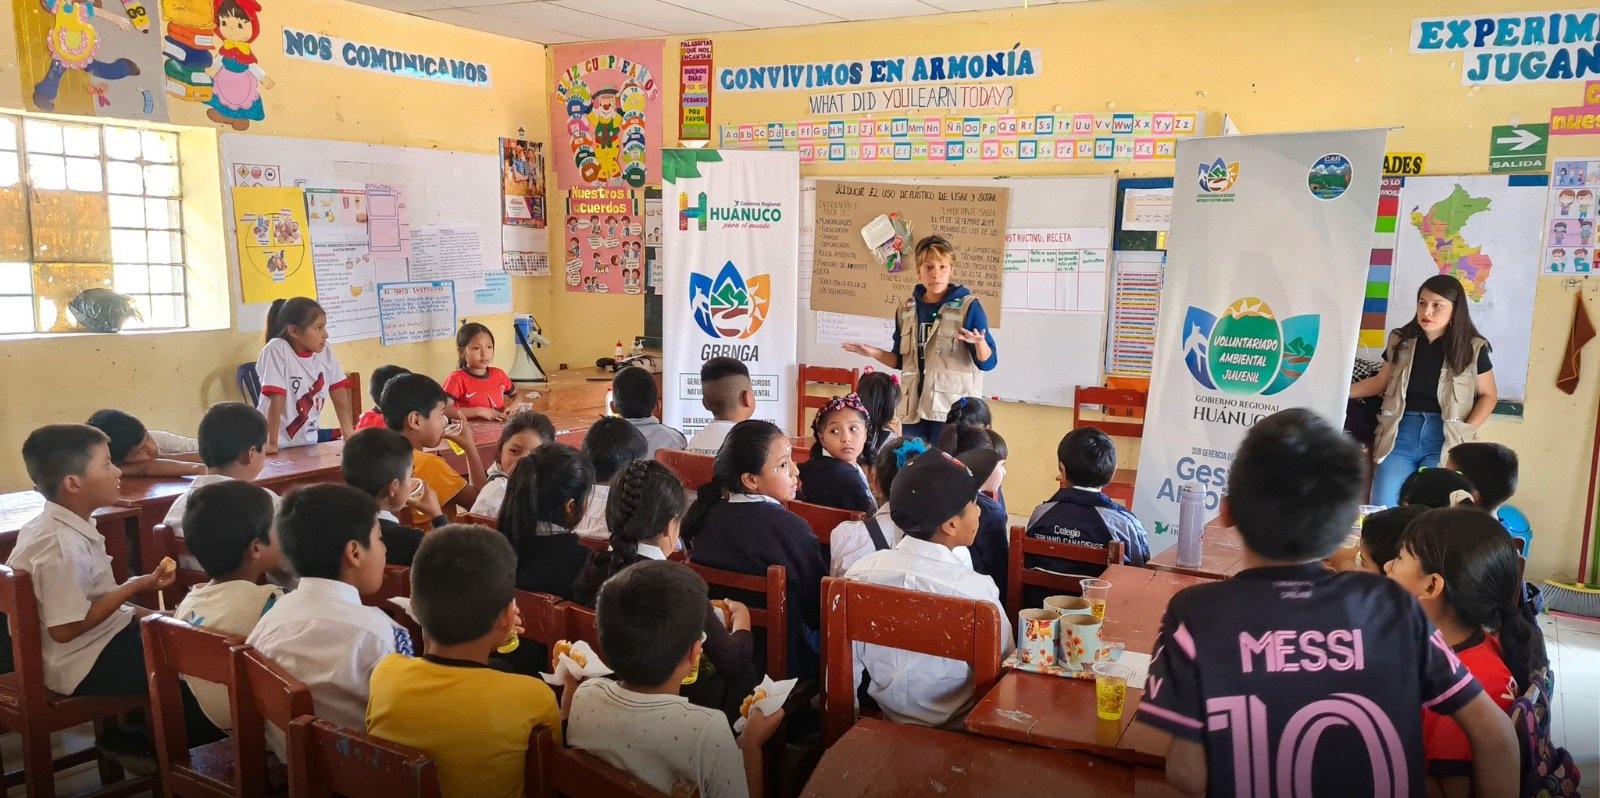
[[604, 241], [211, 59], [91, 57], [606, 114]]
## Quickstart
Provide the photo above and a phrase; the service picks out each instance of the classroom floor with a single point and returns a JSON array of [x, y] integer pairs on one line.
[[1573, 645]]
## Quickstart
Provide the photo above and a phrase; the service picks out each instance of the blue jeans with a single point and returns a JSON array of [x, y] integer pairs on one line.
[[1417, 443]]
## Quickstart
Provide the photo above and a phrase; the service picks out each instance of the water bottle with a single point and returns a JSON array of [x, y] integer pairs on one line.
[[618, 353], [1191, 525]]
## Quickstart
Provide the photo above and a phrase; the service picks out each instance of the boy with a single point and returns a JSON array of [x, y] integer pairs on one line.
[[381, 375], [414, 406], [320, 633], [230, 533], [232, 437], [137, 451], [651, 618], [610, 444], [935, 502], [727, 394], [378, 462], [1079, 513], [633, 396], [1291, 678], [474, 721], [1492, 469]]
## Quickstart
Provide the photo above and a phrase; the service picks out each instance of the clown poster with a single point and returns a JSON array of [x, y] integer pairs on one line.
[[605, 114], [210, 58], [604, 241], [91, 57]]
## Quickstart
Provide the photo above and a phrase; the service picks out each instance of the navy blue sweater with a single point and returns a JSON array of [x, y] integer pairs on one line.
[[831, 482]]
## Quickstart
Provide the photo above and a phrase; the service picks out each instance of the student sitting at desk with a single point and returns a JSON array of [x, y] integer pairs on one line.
[[232, 437], [138, 451], [634, 397], [414, 406]]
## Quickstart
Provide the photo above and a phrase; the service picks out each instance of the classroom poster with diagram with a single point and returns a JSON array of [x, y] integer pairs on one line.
[[605, 114], [604, 241], [274, 242], [522, 183], [1569, 219], [863, 262], [1056, 269], [91, 58], [341, 252]]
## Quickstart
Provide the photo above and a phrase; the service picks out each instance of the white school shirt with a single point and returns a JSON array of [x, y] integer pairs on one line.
[[174, 519], [662, 739], [232, 608], [323, 636], [304, 381], [67, 557], [850, 541], [918, 688], [492, 494], [710, 437], [593, 525]]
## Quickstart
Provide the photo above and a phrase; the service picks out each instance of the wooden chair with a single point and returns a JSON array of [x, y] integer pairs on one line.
[[966, 630], [580, 624], [693, 468], [168, 544], [326, 760], [172, 649], [1110, 400], [1022, 545], [819, 375], [1119, 492], [262, 694], [773, 618], [544, 618], [554, 770], [34, 712], [396, 582], [822, 520]]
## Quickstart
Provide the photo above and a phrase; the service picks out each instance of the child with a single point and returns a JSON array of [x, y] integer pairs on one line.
[[299, 374], [737, 523], [1436, 488], [832, 477], [1462, 568], [320, 633], [880, 393], [991, 546], [727, 394], [1284, 648], [378, 462], [1380, 537], [1080, 513], [413, 405], [610, 444], [381, 375], [232, 435], [478, 389], [935, 502], [473, 720], [852, 540], [633, 396], [644, 513], [522, 433], [544, 501], [969, 412], [651, 618], [1490, 467], [136, 450], [230, 533]]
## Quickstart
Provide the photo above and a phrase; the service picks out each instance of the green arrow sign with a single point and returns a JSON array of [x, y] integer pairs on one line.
[[1519, 148]]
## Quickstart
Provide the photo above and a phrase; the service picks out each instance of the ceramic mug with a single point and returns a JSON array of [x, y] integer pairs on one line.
[[1069, 605], [1078, 637], [1036, 638]]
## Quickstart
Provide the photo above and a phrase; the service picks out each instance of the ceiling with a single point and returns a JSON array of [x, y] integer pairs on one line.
[[558, 21]]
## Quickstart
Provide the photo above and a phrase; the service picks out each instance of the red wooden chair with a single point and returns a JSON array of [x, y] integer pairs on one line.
[[174, 649], [326, 760], [1114, 403], [263, 694], [544, 618], [34, 712], [170, 545], [1119, 492], [580, 624], [822, 520], [1018, 576], [820, 375], [966, 630], [396, 582], [693, 468], [569, 773]]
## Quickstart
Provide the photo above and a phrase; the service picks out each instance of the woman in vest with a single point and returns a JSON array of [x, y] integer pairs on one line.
[[941, 344], [1436, 384]]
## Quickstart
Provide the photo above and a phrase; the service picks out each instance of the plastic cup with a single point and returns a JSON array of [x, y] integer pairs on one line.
[[1096, 590], [1110, 689]]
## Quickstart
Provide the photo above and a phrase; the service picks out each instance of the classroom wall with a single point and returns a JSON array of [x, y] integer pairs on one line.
[[1273, 66], [168, 379]]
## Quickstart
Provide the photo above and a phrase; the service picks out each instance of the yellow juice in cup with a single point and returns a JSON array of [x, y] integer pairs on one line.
[[1098, 610], [1110, 689]]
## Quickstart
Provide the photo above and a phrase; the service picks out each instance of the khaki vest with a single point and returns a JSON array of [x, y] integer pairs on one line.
[[1457, 394], [947, 365]]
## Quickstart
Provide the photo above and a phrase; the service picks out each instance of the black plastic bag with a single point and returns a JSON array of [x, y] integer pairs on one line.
[[102, 310]]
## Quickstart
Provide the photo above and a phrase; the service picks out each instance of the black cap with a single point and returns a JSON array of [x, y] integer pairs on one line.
[[931, 490]]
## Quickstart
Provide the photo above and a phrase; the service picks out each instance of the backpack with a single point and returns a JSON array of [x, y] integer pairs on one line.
[[1547, 769]]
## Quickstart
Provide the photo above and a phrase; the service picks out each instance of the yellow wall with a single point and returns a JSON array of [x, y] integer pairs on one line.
[[169, 379]]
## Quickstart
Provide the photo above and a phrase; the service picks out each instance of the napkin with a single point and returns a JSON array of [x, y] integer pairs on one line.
[[404, 603], [1139, 664], [777, 693], [567, 665]]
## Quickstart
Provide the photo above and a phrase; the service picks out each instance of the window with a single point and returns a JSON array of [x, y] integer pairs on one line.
[[85, 205]]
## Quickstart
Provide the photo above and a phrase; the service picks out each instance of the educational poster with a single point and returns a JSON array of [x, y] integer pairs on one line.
[[341, 253], [863, 260], [729, 277], [1135, 308], [1252, 324], [1380, 272], [274, 244], [694, 93], [524, 251], [256, 175], [604, 250], [1569, 218], [1483, 230], [522, 183], [414, 312], [605, 114], [91, 58], [388, 221], [1056, 269], [448, 252]]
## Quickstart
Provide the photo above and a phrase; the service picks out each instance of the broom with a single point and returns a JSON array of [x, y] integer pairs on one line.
[[1583, 596]]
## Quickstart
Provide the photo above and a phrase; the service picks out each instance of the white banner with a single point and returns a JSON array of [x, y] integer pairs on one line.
[[1261, 305], [730, 242]]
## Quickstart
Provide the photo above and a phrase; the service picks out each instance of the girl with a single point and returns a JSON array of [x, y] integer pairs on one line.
[[969, 412], [738, 523], [984, 452], [1436, 488], [643, 513], [1461, 566], [1380, 537], [522, 433], [544, 500], [880, 392], [832, 476], [941, 342], [478, 389], [237, 79], [298, 374], [1437, 387]]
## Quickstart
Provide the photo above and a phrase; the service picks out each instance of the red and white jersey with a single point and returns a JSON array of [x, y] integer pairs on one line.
[[304, 381]]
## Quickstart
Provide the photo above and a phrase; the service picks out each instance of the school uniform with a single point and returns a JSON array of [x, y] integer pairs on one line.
[[1086, 517], [472, 390], [435, 471], [234, 608], [1444, 744], [746, 534], [593, 525], [174, 519], [663, 740], [831, 482], [492, 494], [549, 558], [401, 541], [852, 540], [658, 435], [991, 549], [304, 381], [708, 440], [919, 688], [1256, 667]]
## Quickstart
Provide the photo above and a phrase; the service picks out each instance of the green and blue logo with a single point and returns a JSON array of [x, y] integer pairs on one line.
[[1248, 350]]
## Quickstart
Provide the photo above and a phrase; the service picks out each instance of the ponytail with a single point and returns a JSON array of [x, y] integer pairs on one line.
[[880, 392], [298, 311], [539, 488], [744, 451]]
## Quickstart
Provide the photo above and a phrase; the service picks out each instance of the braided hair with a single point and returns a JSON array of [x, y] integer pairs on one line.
[[646, 497]]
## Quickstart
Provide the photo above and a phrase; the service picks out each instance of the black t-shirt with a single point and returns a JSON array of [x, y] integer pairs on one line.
[[1300, 681], [1422, 392]]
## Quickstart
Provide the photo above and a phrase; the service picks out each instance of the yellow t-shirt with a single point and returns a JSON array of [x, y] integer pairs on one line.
[[433, 469], [474, 721]]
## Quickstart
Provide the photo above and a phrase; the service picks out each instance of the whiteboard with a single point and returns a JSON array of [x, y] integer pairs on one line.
[[441, 188], [1043, 356]]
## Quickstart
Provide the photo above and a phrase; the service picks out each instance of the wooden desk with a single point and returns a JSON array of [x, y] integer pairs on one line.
[[1221, 555], [878, 758], [1137, 601], [116, 525]]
